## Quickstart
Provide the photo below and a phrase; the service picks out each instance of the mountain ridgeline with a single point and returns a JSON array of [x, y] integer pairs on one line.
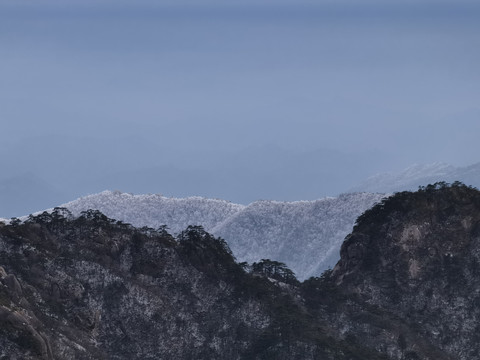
[[306, 235], [90, 287]]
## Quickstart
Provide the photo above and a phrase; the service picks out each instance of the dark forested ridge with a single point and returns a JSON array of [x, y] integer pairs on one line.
[[305, 235], [90, 287]]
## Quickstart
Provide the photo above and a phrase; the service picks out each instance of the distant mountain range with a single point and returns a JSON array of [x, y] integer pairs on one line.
[[306, 235], [243, 175], [419, 175]]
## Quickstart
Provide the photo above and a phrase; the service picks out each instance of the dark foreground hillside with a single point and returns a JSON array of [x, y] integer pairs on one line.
[[406, 287]]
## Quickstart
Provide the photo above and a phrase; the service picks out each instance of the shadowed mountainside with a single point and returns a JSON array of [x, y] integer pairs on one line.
[[95, 288]]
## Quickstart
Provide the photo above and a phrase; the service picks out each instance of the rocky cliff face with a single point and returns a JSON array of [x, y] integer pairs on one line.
[[407, 287], [416, 256]]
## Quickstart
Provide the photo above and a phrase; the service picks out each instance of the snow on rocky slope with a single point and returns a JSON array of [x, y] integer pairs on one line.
[[306, 235]]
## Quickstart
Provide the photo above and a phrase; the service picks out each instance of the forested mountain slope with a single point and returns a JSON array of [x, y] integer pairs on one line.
[[90, 287], [306, 235]]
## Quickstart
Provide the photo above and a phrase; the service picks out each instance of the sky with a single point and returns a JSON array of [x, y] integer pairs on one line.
[[240, 100]]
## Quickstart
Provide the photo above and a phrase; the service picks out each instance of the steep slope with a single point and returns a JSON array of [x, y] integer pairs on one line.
[[306, 235], [93, 288], [417, 175], [415, 258]]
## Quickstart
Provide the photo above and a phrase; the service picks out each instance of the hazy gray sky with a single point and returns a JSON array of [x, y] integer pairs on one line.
[[244, 100]]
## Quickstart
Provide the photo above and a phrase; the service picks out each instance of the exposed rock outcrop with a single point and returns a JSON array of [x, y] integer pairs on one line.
[[416, 256], [407, 287]]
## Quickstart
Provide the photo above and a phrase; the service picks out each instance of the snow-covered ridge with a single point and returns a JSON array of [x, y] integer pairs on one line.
[[157, 210], [306, 235]]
